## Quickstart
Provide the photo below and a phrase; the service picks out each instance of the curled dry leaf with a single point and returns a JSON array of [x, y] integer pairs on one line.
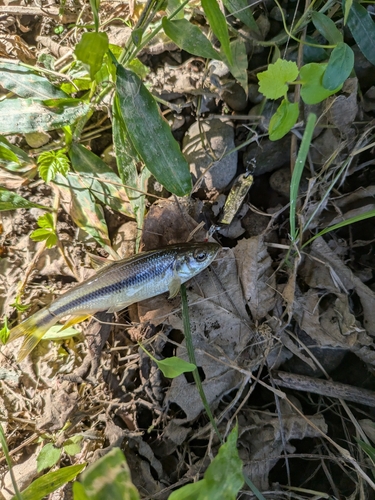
[[256, 276], [267, 444]]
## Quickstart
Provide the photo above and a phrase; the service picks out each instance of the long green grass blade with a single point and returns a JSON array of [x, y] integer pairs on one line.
[[297, 173]]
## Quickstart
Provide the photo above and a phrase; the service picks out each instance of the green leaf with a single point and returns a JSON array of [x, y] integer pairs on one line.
[[340, 65], [58, 332], [48, 456], [362, 28], [173, 367], [347, 5], [90, 51], [50, 482], [12, 157], [240, 62], [73, 445], [47, 231], [312, 90], [12, 201], [151, 135], [326, 28], [4, 331], [241, 9], [127, 165], [46, 221], [189, 37], [107, 478], [223, 478], [273, 83], [283, 120], [368, 449], [26, 83], [19, 116], [104, 184], [218, 23], [83, 209], [51, 163]]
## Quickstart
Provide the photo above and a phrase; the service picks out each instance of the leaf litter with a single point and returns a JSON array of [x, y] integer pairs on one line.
[[255, 310]]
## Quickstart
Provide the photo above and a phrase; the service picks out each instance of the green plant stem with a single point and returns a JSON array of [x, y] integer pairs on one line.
[[9, 462], [297, 173], [191, 353]]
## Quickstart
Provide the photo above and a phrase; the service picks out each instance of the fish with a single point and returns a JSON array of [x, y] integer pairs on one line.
[[117, 286]]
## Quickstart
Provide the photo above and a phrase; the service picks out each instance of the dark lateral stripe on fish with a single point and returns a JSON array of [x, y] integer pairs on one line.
[[113, 288]]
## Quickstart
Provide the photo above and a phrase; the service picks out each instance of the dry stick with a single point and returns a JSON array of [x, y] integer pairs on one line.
[[52, 12], [325, 388]]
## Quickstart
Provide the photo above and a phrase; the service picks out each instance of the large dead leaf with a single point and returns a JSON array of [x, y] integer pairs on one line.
[[256, 276]]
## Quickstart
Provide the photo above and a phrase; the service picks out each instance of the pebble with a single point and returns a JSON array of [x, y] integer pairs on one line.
[[218, 137]]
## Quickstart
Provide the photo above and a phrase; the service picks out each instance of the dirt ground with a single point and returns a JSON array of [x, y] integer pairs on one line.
[[284, 341]]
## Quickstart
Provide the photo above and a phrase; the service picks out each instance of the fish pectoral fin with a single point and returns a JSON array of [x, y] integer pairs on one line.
[[174, 286], [73, 320]]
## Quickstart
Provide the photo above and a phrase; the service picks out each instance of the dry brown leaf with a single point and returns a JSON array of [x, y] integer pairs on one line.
[[327, 319], [321, 251], [256, 276], [263, 431]]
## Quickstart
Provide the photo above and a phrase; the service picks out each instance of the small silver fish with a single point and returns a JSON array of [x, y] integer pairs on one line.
[[119, 285]]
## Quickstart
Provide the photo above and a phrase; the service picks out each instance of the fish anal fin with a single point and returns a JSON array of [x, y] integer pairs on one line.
[[73, 320]]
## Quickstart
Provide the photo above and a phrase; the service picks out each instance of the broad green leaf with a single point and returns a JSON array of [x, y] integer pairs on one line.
[[339, 67], [218, 23], [83, 209], [25, 115], [312, 90], [240, 62], [347, 5], [172, 6], [46, 221], [127, 165], [283, 120], [48, 456], [26, 83], [173, 367], [73, 445], [362, 28], [51, 163], [150, 134], [58, 332], [91, 49], [223, 478], [327, 28], [273, 83], [12, 157], [241, 9], [50, 482], [11, 201], [190, 38], [107, 478], [100, 179]]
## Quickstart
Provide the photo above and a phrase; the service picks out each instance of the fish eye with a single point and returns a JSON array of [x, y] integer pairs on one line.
[[200, 255]]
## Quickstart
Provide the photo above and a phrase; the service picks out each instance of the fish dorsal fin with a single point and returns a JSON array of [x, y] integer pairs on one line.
[[98, 262]]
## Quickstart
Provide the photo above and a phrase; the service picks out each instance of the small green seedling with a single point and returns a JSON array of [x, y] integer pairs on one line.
[[46, 231]]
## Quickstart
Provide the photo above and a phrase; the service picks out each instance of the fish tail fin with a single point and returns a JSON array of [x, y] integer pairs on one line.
[[32, 329]]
